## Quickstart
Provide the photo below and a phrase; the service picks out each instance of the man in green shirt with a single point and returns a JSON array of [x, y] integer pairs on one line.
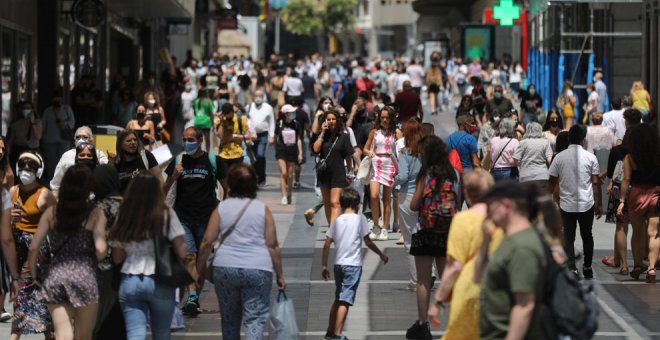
[[514, 276], [498, 103]]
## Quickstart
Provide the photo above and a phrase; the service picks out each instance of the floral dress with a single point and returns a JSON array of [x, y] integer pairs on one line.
[[72, 278], [384, 163]]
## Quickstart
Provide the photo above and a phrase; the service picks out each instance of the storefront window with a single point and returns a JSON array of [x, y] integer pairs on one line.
[[6, 52]]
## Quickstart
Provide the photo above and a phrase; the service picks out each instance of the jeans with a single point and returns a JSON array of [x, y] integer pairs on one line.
[[140, 298], [500, 174], [528, 117], [243, 296], [586, 221], [259, 149], [194, 233]]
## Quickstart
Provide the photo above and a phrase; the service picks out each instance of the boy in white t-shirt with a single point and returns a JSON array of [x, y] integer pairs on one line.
[[347, 232]]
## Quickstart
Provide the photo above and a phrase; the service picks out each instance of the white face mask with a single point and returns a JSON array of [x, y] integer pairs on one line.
[[326, 107], [151, 102], [27, 177], [258, 101]]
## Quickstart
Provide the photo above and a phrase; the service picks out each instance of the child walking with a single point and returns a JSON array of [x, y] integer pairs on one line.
[[347, 232]]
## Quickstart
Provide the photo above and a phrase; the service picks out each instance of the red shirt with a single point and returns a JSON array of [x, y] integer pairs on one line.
[[408, 103], [366, 86]]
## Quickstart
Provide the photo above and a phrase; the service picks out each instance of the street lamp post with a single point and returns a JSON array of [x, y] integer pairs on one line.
[[277, 5]]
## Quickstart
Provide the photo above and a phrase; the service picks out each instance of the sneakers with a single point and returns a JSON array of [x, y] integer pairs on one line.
[[375, 233], [309, 217], [411, 286], [4, 317], [417, 331], [329, 335], [191, 308], [284, 201], [383, 236], [588, 273]]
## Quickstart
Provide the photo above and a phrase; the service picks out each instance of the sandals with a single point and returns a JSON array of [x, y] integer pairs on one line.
[[309, 217], [650, 276], [624, 271], [609, 261], [636, 272]]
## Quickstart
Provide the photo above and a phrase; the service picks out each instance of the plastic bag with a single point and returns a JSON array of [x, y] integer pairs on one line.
[[283, 324]]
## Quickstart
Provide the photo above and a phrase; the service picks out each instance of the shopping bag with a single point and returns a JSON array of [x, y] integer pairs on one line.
[[283, 324], [364, 171]]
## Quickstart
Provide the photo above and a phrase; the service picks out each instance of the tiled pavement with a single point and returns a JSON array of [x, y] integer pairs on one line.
[[384, 308]]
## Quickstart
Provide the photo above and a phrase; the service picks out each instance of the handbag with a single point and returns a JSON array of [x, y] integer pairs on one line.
[[498, 156], [364, 171], [209, 261], [322, 163], [170, 270]]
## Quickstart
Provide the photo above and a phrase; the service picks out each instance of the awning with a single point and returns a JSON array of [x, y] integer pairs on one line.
[[149, 9]]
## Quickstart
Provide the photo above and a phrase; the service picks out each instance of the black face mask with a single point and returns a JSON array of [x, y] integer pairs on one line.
[[141, 115], [88, 162], [554, 123]]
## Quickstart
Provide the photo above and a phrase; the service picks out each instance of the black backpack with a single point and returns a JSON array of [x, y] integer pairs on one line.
[[569, 308]]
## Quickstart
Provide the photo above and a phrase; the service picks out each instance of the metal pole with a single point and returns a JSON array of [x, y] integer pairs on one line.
[[277, 34]]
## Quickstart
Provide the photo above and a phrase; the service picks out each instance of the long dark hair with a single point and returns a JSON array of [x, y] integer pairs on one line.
[[339, 125], [435, 161], [391, 128], [319, 106], [121, 137], [546, 126], [642, 145], [4, 161], [73, 206], [141, 212]]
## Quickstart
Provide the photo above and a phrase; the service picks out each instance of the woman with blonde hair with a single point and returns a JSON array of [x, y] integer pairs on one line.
[[641, 99], [566, 103]]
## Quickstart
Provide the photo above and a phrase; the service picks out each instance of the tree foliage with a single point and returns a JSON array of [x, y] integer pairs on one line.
[[313, 17]]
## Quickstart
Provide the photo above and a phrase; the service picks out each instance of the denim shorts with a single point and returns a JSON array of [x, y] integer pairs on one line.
[[347, 279], [194, 233]]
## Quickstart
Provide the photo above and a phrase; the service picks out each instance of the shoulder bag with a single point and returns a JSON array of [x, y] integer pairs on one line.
[[498, 156], [209, 261], [322, 163], [170, 270]]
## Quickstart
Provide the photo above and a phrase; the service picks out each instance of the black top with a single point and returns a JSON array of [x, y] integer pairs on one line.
[[195, 193], [529, 103], [617, 153], [128, 170], [282, 125], [646, 177], [140, 133], [335, 160]]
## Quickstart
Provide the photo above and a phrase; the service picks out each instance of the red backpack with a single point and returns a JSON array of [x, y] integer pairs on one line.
[[455, 158]]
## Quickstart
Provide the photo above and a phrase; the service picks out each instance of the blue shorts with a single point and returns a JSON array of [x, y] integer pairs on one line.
[[194, 233], [347, 279]]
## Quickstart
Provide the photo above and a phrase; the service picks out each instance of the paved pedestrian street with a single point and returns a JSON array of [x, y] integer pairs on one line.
[[384, 308]]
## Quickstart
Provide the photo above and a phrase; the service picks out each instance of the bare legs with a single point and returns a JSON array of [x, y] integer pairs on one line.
[[386, 199], [654, 241], [331, 202], [338, 313], [424, 266], [63, 316], [621, 246], [286, 177]]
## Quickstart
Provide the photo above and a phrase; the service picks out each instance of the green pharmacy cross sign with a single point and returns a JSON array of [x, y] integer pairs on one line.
[[506, 12]]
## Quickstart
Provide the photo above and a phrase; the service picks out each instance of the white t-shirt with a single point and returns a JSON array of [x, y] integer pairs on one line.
[[293, 87], [616, 123], [574, 168], [347, 231], [593, 97], [140, 255], [416, 74]]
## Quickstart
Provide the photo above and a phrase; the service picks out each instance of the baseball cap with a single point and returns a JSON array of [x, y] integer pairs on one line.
[[288, 108]]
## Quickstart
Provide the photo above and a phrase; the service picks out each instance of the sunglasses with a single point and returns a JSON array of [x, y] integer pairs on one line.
[[190, 140], [85, 146], [27, 163]]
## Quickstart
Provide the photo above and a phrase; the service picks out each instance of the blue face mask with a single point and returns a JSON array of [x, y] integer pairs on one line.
[[26, 112], [497, 95], [190, 148], [532, 92], [293, 115]]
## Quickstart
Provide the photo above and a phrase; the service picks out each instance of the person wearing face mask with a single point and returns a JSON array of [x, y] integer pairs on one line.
[[58, 124], [531, 105], [25, 132], [131, 158], [592, 104], [196, 174], [86, 155], [82, 135], [232, 131], [155, 113], [143, 127], [262, 117], [29, 199], [464, 143], [553, 125], [498, 102]]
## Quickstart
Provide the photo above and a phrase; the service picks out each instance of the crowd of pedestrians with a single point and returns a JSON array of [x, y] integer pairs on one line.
[[80, 228]]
